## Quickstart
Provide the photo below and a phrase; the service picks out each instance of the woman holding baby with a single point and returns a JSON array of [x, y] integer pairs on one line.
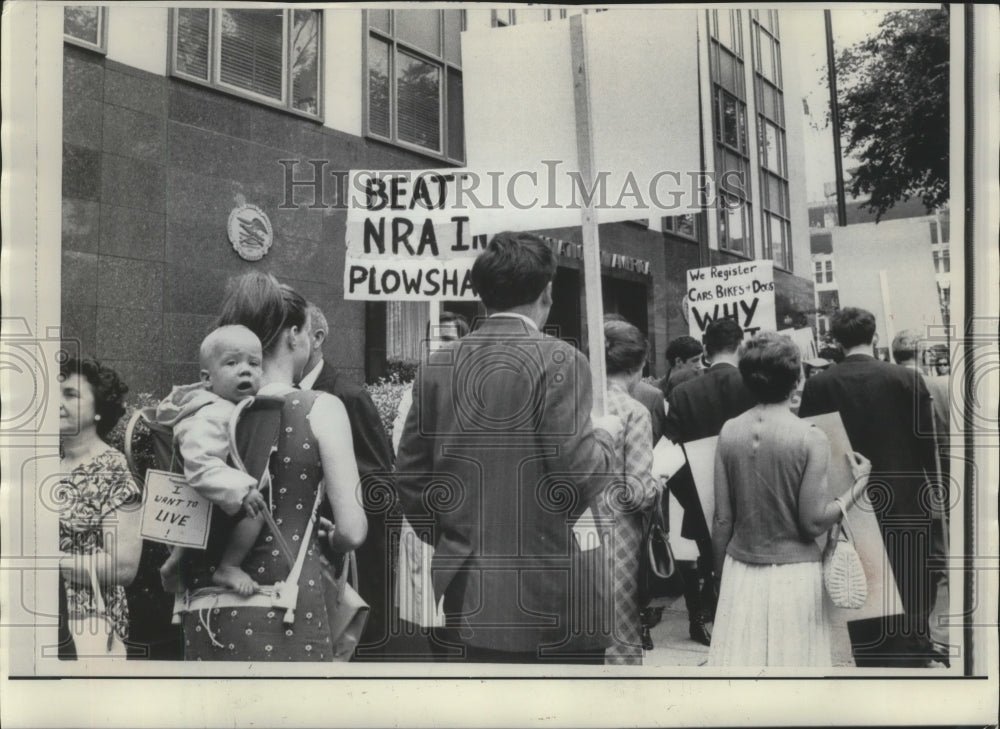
[[313, 452]]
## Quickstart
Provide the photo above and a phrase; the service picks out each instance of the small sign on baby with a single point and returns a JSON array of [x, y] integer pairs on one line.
[[173, 512]]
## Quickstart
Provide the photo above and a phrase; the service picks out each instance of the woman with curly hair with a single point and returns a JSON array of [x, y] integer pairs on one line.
[[99, 517]]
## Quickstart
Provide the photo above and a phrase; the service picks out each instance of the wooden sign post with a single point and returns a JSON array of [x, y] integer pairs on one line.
[[591, 237]]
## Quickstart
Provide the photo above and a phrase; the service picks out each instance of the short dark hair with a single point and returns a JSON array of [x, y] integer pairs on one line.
[[853, 327], [625, 347], [833, 352], [905, 345], [722, 335], [771, 365], [108, 388], [264, 306], [513, 270], [683, 347]]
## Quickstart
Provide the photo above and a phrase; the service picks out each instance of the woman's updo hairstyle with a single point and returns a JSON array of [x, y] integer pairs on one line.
[[771, 366], [625, 347], [257, 301], [108, 388]]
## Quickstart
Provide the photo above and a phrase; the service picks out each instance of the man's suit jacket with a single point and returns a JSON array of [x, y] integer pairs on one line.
[[371, 445], [500, 453], [887, 414], [698, 408]]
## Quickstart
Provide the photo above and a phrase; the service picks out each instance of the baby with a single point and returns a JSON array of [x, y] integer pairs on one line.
[[199, 414]]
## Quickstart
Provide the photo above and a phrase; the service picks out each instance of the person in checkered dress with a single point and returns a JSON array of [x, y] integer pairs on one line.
[[625, 500]]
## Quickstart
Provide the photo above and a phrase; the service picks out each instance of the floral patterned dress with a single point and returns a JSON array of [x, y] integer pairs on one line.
[[259, 633], [89, 494]]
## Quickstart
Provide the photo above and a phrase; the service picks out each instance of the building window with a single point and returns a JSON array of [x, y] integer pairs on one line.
[[414, 67], [829, 271], [729, 120], [87, 26], [504, 18], [549, 14], [942, 261], [272, 56], [771, 139], [686, 226]]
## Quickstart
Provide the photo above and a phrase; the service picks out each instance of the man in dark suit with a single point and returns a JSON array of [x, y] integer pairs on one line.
[[373, 453], [501, 455], [885, 410], [697, 408]]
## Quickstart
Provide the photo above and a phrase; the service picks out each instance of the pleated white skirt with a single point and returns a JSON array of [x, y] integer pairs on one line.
[[771, 615]]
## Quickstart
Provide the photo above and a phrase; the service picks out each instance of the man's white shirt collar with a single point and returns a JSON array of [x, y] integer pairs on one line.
[[514, 315], [309, 380]]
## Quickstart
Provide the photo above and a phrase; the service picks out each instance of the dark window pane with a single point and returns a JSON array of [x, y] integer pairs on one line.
[[730, 122], [946, 261], [305, 60], [378, 19], [192, 42], [83, 22], [775, 196], [418, 92], [452, 36], [765, 58], [378, 87], [733, 230], [420, 28], [251, 50], [456, 125], [729, 68], [685, 225]]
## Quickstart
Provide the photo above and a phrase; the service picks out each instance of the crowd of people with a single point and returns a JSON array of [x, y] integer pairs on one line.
[[533, 504]]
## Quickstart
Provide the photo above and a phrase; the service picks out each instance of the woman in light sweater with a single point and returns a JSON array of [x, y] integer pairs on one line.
[[771, 503]]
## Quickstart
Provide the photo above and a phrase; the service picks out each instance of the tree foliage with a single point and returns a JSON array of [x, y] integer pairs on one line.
[[893, 100]]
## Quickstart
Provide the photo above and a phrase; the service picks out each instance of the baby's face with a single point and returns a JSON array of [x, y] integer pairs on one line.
[[235, 371]]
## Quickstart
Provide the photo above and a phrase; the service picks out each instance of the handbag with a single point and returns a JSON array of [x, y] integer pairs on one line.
[[345, 608], [94, 634], [843, 573], [656, 558]]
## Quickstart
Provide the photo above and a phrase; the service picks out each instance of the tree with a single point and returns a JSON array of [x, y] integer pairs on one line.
[[893, 104]]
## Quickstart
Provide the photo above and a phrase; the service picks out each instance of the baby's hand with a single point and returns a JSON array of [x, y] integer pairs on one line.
[[254, 504]]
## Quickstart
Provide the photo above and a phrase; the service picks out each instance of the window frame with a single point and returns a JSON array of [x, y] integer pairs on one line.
[[779, 210], [214, 80], [395, 45], [102, 32], [668, 225]]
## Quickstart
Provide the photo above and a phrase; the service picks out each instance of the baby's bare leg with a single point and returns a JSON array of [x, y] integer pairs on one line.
[[170, 570], [229, 573]]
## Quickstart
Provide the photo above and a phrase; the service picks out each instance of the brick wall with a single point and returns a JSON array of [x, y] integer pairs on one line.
[[152, 167]]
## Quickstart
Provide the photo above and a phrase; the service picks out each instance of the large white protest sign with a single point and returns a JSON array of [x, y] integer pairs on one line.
[[521, 118], [742, 291], [173, 512]]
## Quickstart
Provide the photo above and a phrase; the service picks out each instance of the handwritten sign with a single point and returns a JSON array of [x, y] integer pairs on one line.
[[409, 236], [173, 512], [743, 292]]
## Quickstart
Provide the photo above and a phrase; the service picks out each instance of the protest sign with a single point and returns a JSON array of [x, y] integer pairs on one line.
[[742, 291], [410, 236], [883, 595], [173, 512]]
